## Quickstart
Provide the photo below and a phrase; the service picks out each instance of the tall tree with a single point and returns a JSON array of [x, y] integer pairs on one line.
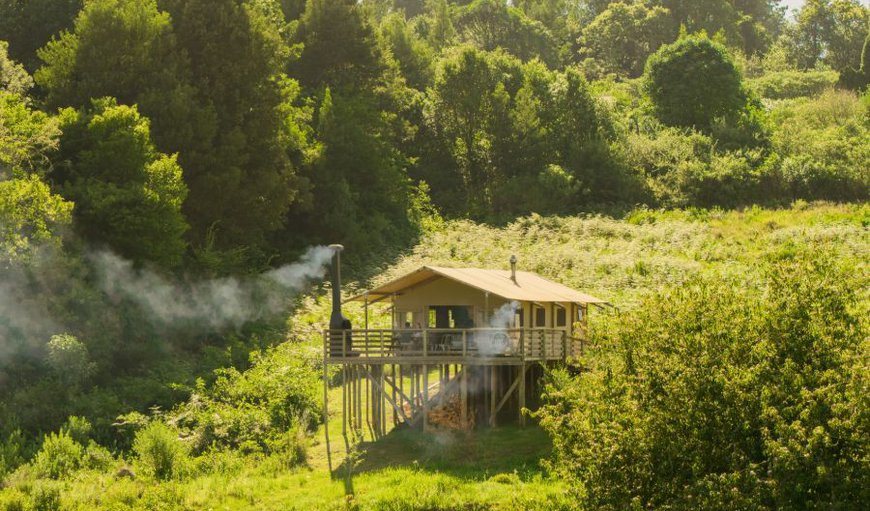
[[624, 35], [30, 214], [126, 49], [491, 24], [13, 77], [242, 181], [471, 88], [831, 32], [127, 194], [340, 47], [28, 24], [692, 82], [413, 55]]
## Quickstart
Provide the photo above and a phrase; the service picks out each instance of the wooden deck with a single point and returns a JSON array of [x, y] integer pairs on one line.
[[477, 346]]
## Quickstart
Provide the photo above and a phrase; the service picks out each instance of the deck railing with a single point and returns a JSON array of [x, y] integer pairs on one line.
[[525, 343]]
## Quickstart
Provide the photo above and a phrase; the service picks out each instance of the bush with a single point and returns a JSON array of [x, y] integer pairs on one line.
[[45, 497], [747, 397], [161, 453], [11, 453], [793, 84], [78, 428], [69, 359], [253, 410], [59, 456], [692, 82]]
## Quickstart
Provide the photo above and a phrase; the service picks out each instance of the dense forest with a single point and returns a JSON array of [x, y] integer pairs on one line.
[[170, 170]]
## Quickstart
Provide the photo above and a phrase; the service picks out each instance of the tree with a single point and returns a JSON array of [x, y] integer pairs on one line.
[[126, 49], [438, 24], [491, 24], [746, 398], [692, 82], [831, 32], [30, 214], [13, 76], [413, 55], [624, 35], [472, 88], [360, 187], [748, 24], [339, 46], [127, 194], [29, 24], [241, 178]]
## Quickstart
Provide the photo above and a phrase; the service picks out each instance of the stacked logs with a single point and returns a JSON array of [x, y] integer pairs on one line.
[[449, 415]]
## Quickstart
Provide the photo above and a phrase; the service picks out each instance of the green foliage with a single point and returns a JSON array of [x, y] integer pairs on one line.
[[59, 456], [340, 48], [27, 137], [793, 84], [692, 82], [513, 133], [68, 358], [128, 195], [253, 411], [13, 76], [741, 399], [606, 40], [490, 24], [824, 142], [413, 54], [13, 449], [30, 214], [160, 452], [29, 24], [831, 32]]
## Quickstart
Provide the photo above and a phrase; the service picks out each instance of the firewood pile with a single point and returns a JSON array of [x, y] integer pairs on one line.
[[443, 414], [449, 415]]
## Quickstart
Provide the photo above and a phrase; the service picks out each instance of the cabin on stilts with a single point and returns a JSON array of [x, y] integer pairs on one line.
[[466, 347]]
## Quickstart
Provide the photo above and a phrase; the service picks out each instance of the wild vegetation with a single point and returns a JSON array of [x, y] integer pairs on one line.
[[169, 169]]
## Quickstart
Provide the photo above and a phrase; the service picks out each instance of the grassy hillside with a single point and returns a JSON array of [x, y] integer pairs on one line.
[[621, 260]]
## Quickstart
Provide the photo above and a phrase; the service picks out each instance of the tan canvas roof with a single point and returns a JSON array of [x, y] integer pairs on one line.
[[529, 287]]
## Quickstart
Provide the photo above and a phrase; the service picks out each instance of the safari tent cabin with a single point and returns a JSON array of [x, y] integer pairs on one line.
[[469, 312], [466, 347]]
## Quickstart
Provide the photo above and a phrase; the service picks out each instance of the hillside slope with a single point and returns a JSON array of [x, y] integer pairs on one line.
[[619, 259]]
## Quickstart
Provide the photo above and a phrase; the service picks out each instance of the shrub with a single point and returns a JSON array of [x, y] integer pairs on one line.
[[45, 497], [745, 398], [78, 428], [69, 359], [692, 82], [11, 453], [793, 84], [161, 453], [59, 456], [13, 499], [253, 410]]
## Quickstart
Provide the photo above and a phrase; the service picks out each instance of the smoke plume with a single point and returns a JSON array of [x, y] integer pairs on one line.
[[217, 303], [497, 342]]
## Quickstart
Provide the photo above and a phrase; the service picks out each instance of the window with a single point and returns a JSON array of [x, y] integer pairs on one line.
[[540, 317], [561, 316]]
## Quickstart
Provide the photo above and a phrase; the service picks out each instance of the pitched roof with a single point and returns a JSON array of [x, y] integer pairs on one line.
[[529, 287]]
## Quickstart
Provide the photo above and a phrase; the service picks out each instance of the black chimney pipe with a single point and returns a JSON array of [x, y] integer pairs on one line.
[[337, 321]]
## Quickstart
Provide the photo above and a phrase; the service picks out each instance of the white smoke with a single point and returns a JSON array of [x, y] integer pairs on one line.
[[497, 341], [217, 303]]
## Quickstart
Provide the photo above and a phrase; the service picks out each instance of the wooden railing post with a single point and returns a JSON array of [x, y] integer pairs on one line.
[[522, 346], [344, 343], [543, 345], [464, 343], [564, 345], [425, 343]]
